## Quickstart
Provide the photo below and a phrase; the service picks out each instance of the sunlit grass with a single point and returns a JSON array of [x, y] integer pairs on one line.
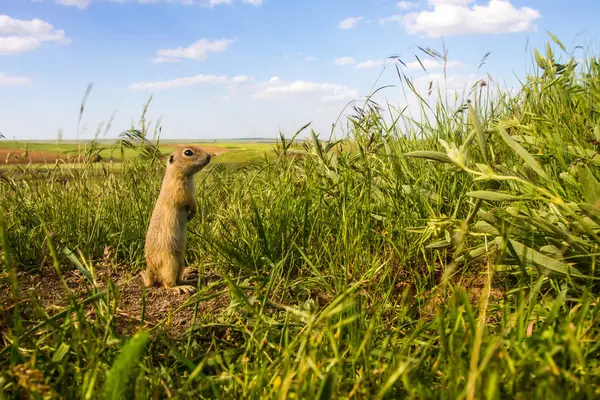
[[456, 258]]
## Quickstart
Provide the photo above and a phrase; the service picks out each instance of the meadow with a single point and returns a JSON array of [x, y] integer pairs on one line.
[[446, 255], [44, 154]]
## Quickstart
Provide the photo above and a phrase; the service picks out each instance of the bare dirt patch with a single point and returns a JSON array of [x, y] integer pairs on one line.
[[50, 292], [161, 302], [475, 285], [19, 157]]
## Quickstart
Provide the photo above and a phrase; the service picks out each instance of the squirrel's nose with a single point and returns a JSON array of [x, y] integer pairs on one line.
[[208, 156]]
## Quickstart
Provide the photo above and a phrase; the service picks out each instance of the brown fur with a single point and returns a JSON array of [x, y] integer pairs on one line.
[[175, 206]]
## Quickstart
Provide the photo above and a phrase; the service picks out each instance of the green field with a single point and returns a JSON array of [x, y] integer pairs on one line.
[[227, 153], [454, 257]]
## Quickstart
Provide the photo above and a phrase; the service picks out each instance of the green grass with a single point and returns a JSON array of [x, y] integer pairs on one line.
[[62, 148], [234, 158], [455, 257], [69, 147], [114, 152]]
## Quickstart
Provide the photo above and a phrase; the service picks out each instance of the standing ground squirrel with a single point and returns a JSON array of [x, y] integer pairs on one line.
[[165, 240]]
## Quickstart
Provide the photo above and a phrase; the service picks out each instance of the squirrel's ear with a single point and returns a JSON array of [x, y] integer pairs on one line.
[[171, 159]]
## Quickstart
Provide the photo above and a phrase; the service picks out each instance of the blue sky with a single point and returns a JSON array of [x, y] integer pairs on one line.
[[247, 68]]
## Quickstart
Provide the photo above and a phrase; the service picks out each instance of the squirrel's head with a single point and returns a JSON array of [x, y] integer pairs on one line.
[[188, 159]]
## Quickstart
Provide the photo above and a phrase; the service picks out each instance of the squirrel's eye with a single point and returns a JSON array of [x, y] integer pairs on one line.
[[188, 153]]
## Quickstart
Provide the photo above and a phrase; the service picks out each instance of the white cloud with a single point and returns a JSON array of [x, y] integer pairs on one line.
[[190, 81], [452, 82], [392, 18], [327, 92], [370, 64], [273, 88], [18, 44], [446, 2], [164, 60], [455, 17], [19, 36], [213, 3], [344, 61], [349, 22], [81, 4], [433, 64], [196, 51], [407, 5], [241, 79], [34, 27], [255, 3], [14, 80]]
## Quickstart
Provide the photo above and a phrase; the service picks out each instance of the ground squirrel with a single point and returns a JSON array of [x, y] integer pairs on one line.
[[165, 240]]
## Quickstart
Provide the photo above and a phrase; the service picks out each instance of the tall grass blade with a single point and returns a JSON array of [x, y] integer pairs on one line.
[[524, 154], [430, 155], [589, 185], [494, 196], [116, 384], [528, 255], [479, 131]]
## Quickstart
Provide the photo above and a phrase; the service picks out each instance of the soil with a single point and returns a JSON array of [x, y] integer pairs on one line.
[[16, 157], [52, 295], [475, 287]]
